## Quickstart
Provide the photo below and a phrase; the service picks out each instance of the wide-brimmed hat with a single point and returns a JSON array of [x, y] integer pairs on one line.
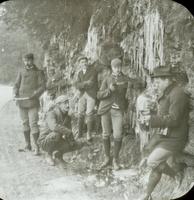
[[162, 71]]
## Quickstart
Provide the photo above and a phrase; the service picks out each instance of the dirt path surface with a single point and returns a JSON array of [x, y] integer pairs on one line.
[[24, 176]]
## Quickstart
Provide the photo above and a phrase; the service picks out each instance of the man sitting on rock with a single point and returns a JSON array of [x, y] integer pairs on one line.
[[56, 137]]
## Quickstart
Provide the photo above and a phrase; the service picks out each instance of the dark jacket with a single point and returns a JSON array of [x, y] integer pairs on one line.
[[173, 113], [107, 97], [57, 128], [92, 87], [29, 83], [56, 121]]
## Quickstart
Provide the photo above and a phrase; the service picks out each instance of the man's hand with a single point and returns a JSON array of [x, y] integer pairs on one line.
[[146, 119], [32, 96], [112, 87], [67, 134], [14, 94]]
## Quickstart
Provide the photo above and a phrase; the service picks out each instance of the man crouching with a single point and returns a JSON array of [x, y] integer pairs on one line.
[[56, 137]]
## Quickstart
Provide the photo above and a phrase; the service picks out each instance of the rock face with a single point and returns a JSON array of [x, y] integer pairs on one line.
[[144, 33]]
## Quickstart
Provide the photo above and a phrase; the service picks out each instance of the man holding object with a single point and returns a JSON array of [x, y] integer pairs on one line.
[[29, 86]]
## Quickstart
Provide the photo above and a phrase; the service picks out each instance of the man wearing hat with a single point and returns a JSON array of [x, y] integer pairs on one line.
[[87, 84], [113, 104], [29, 86], [56, 136], [172, 116]]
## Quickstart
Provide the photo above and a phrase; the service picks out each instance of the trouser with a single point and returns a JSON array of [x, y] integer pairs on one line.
[[158, 156], [53, 141], [157, 160], [86, 106], [29, 117], [112, 120]]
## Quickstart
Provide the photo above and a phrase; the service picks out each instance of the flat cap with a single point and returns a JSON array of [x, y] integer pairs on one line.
[[115, 62], [29, 56]]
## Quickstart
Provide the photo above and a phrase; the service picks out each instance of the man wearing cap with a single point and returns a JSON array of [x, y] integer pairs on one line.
[[29, 86], [172, 120], [87, 84], [56, 136], [112, 106]]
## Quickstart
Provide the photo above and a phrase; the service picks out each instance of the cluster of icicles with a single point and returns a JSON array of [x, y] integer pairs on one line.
[[153, 35], [91, 48], [145, 47]]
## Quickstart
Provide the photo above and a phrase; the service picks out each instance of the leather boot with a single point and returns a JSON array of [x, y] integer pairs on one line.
[[58, 157], [80, 125], [89, 129], [35, 138], [27, 140], [106, 143], [50, 160], [117, 147]]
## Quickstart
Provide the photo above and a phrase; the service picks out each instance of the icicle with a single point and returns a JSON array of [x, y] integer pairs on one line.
[[153, 34], [91, 48]]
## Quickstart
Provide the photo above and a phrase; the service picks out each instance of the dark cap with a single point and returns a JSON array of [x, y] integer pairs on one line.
[[29, 56], [162, 71]]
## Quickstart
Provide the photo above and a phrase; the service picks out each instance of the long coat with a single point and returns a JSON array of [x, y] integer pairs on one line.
[[29, 82], [173, 114]]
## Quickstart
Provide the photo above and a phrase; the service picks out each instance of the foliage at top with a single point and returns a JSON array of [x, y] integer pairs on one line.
[[42, 19]]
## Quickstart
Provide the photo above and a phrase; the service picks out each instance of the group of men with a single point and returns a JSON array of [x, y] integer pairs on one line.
[[56, 138]]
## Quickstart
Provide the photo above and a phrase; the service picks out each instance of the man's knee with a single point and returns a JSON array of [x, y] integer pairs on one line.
[[26, 126], [152, 162], [34, 129], [105, 135], [117, 134], [49, 142], [33, 120]]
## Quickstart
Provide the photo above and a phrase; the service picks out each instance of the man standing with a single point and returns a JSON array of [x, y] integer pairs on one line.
[[29, 86], [56, 137], [172, 120], [87, 84], [111, 108]]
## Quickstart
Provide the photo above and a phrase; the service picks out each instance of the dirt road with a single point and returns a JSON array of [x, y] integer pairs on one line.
[[24, 176]]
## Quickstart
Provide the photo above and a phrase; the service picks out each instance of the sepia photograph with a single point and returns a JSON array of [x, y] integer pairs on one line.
[[96, 100]]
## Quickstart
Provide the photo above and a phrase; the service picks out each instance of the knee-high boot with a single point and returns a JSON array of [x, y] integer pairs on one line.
[[27, 140], [35, 138], [80, 125], [106, 144], [89, 128], [117, 148]]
